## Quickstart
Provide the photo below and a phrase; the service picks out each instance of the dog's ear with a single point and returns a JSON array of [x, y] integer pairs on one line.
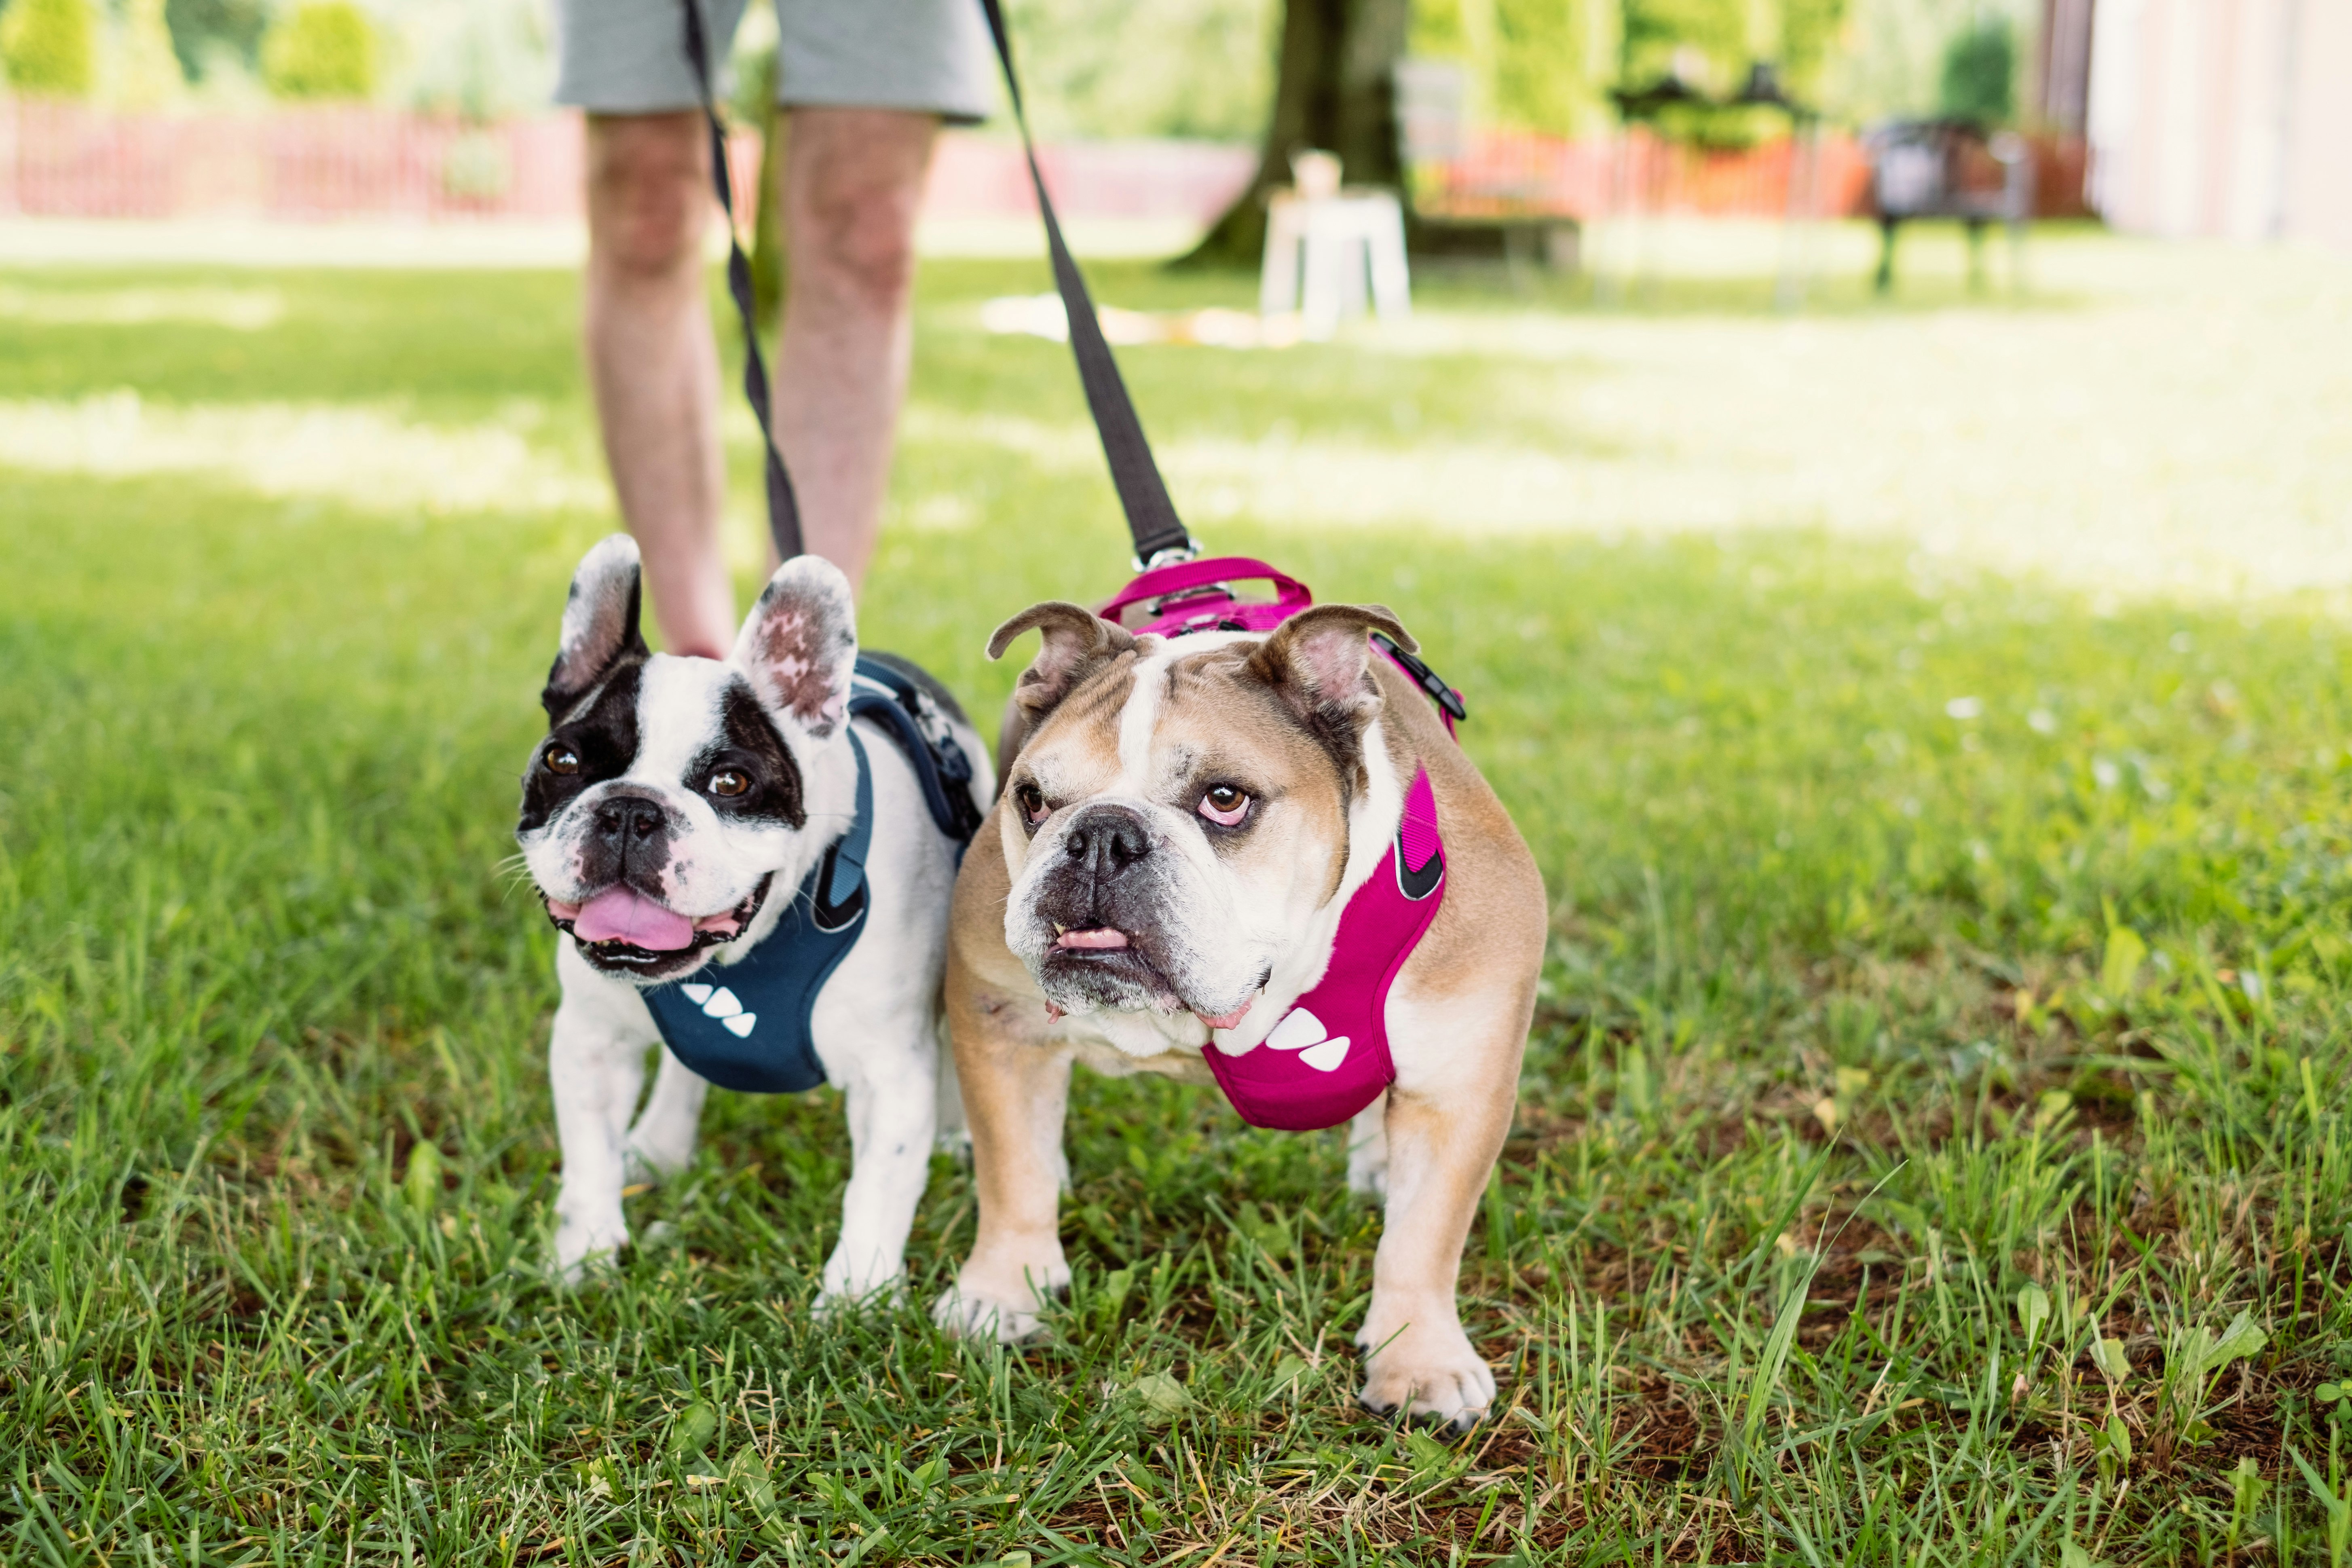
[[799, 645], [600, 625], [1320, 661], [1076, 641]]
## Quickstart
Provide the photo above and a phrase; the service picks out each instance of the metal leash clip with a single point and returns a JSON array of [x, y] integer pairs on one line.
[[1172, 555]]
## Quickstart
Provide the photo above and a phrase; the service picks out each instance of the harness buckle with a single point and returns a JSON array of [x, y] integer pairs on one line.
[[1172, 555]]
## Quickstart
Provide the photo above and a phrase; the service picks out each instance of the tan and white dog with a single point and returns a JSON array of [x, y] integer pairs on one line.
[[1176, 840]]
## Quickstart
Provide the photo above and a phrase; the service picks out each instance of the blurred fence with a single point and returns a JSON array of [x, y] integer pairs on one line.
[[66, 160], [1504, 174], [1501, 174], [69, 160]]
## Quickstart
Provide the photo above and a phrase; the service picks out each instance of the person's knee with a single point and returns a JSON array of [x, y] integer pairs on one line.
[[859, 246], [647, 195], [853, 231]]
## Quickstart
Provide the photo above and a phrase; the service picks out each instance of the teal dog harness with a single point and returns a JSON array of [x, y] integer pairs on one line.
[[746, 1025]]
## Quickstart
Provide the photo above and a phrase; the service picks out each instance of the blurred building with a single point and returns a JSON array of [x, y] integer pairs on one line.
[[2061, 74], [2221, 118]]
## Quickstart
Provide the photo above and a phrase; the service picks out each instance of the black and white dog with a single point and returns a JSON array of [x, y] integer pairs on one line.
[[681, 814]]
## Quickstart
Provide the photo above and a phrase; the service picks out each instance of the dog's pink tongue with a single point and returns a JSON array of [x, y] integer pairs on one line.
[[1225, 1020], [623, 914]]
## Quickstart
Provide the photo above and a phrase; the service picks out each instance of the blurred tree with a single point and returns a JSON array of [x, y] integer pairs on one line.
[[1198, 69], [1552, 62], [1709, 44], [1810, 31], [50, 47], [144, 72], [212, 35], [320, 49], [1887, 58], [1530, 64], [479, 60], [1713, 45], [1980, 73], [1334, 88]]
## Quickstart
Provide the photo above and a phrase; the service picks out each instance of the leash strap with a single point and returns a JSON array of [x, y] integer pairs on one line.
[[783, 511], [1152, 519]]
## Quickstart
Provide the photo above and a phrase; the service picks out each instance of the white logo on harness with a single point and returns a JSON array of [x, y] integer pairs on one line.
[[1302, 1032], [718, 1002]]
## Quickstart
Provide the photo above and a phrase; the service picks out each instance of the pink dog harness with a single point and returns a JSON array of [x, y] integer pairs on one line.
[[1329, 1057]]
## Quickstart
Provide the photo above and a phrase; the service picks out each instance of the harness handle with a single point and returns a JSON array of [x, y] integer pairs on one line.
[[1151, 519], [783, 508], [1171, 590]]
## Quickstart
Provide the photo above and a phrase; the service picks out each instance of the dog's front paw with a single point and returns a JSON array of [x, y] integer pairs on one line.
[[584, 1245], [1429, 1371], [969, 1317], [841, 1289], [996, 1298], [652, 1157], [977, 1308]]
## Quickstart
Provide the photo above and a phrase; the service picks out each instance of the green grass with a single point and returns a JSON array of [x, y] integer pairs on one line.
[[1949, 978]]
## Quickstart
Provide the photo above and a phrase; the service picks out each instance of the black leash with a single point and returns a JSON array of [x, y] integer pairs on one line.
[[783, 511], [1152, 519]]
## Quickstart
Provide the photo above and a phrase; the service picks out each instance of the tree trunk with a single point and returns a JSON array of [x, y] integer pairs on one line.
[[1334, 89]]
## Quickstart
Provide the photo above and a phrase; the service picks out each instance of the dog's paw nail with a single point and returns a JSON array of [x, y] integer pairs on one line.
[[977, 1317]]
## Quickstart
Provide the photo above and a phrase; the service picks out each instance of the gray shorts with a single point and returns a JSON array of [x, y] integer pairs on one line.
[[932, 56]]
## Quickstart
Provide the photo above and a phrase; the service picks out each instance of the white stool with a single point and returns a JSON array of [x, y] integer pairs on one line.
[[1334, 241]]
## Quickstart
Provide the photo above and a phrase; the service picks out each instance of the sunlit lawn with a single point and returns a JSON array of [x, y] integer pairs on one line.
[[1932, 1146]]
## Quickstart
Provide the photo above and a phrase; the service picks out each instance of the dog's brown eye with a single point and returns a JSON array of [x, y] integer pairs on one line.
[[1225, 805], [729, 782], [1032, 802], [561, 759]]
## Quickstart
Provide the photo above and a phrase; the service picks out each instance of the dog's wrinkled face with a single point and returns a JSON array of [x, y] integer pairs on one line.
[[669, 794], [1181, 810]]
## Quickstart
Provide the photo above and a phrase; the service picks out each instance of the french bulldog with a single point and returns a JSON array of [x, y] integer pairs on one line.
[[1164, 875], [670, 818]]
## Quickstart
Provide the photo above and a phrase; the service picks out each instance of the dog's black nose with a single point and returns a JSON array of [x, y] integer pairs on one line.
[[629, 817], [1107, 840]]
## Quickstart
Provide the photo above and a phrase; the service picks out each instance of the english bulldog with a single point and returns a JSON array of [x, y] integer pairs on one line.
[[670, 819], [1164, 874]]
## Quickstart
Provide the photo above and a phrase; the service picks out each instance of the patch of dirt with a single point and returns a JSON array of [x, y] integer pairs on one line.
[[1658, 1434], [1091, 1521]]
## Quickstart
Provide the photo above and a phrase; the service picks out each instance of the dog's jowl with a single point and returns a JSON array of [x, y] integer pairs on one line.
[[750, 860], [1182, 859]]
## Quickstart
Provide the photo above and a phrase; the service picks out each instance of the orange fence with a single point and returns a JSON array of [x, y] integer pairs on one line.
[[68, 159], [1505, 173]]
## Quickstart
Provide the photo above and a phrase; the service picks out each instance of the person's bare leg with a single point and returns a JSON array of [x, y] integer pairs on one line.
[[655, 365], [853, 182]]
